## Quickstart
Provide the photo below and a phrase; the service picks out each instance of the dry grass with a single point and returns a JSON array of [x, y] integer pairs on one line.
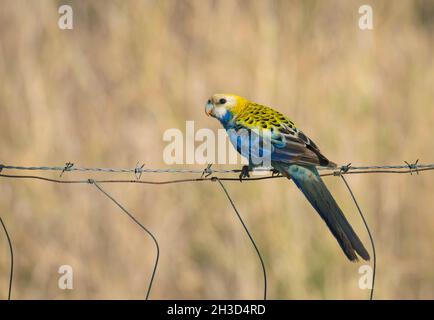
[[103, 94]]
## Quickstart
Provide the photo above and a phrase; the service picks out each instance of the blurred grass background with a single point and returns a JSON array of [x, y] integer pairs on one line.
[[103, 93]]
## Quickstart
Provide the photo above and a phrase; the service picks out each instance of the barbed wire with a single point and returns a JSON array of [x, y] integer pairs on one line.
[[207, 174], [69, 166]]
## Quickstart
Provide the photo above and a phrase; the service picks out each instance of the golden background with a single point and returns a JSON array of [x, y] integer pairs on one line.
[[102, 95]]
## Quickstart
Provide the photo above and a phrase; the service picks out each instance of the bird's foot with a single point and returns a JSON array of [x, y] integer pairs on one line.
[[275, 172], [245, 173]]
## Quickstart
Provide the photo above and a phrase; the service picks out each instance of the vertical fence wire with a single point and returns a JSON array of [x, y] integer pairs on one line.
[[374, 254], [11, 250], [248, 234], [140, 225]]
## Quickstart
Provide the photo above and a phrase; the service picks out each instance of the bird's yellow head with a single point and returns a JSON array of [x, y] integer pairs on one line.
[[222, 105]]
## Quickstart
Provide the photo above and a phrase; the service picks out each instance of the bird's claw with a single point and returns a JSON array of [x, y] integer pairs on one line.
[[244, 173], [274, 172]]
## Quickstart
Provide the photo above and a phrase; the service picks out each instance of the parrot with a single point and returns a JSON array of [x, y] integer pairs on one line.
[[292, 154]]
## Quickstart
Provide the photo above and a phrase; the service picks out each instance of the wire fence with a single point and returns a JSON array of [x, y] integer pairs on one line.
[[139, 169], [207, 174]]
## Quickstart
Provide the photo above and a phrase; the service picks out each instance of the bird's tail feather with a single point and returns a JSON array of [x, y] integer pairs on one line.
[[310, 183]]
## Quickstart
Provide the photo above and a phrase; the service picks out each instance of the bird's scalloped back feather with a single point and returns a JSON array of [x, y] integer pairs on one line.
[[254, 115]]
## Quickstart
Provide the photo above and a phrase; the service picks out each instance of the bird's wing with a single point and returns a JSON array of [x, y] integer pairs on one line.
[[290, 145], [295, 147]]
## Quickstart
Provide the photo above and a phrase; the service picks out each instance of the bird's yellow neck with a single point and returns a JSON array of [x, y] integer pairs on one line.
[[240, 105]]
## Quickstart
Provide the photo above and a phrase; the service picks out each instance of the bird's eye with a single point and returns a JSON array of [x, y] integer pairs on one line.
[[209, 101], [222, 101]]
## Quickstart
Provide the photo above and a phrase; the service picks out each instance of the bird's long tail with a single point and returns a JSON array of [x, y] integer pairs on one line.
[[310, 183]]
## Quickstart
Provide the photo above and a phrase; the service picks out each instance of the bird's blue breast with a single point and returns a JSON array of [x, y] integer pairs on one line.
[[251, 145], [226, 120]]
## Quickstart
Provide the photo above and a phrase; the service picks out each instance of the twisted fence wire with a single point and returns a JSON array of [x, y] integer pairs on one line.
[[205, 173], [414, 167]]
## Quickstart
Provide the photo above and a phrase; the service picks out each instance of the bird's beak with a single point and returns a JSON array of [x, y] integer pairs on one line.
[[209, 108]]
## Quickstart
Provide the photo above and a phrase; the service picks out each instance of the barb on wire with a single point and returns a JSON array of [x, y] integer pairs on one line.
[[91, 181], [413, 166], [138, 170], [207, 171], [342, 170], [67, 167], [248, 234], [370, 237], [11, 250]]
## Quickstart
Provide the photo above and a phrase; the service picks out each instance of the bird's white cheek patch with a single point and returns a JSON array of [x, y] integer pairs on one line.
[[220, 112]]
